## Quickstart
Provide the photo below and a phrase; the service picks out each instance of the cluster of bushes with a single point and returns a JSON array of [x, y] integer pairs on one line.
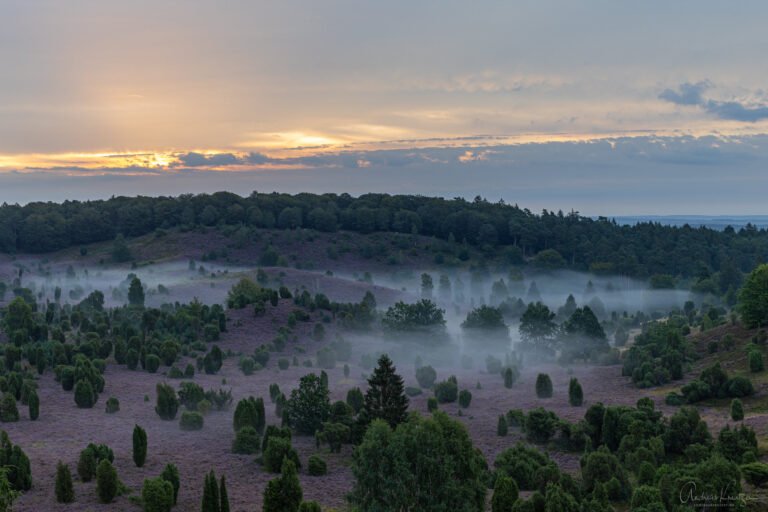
[[715, 383], [658, 355]]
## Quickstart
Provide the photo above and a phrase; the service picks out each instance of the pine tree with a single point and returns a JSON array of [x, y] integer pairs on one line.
[[385, 397], [139, 446], [65, 491], [283, 494], [211, 501], [223, 495]]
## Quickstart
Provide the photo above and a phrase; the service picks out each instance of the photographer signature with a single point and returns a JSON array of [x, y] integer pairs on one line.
[[688, 494]]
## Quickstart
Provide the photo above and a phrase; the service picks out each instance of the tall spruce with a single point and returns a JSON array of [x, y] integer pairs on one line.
[[385, 398]]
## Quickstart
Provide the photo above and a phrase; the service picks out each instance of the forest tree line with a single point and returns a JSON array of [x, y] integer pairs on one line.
[[549, 239]]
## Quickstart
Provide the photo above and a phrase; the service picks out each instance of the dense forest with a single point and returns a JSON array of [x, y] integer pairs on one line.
[[549, 239]]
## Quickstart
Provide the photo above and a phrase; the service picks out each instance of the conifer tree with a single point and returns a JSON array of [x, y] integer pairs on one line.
[[283, 494], [385, 397], [139, 446], [575, 393], [65, 491], [211, 501], [223, 495]]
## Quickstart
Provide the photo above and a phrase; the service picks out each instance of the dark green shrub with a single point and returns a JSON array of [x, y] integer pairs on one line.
[[431, 404], [213, 360], [283, 494], [543, 386], [90, 458], [465, 398], [522, 463], [737, 410], [34, 405], [279, 448], [106, 481], [355, 399], [510, 376], [515, 418], [247, 365], [283, 363], [191, 420], [113, 405], [412, 391], [316, 466], [250, 412], [274, 431], [426, 376], [132, 359], [540, 425], [85, 396], [756, 473], [501, 427], [190, 395], [575, 393], [274, 392], [152, 363], [171, 475], [756, 361], [167, 402], [8, 410], [211, 501], [139, 446], [247, 441], [674, 399], [157, 495], [310, 506], [446, 391], [505, 494], [65, 491], [646, 496]]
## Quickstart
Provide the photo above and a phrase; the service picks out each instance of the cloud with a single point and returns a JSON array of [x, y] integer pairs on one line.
[[735, 111], [193, 159], [688, 94]]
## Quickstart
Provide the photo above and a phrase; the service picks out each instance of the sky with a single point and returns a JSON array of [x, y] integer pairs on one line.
[[603, 107]]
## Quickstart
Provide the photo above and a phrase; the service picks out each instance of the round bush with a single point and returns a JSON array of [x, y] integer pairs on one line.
[[446, 391], [85, 396], [316, 466], [113, 405], [431, 404], [426, 376], [152, 363], [157, 495], [465, 398], [247, 441], [191, 420], [8, 410], [283, 363]]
